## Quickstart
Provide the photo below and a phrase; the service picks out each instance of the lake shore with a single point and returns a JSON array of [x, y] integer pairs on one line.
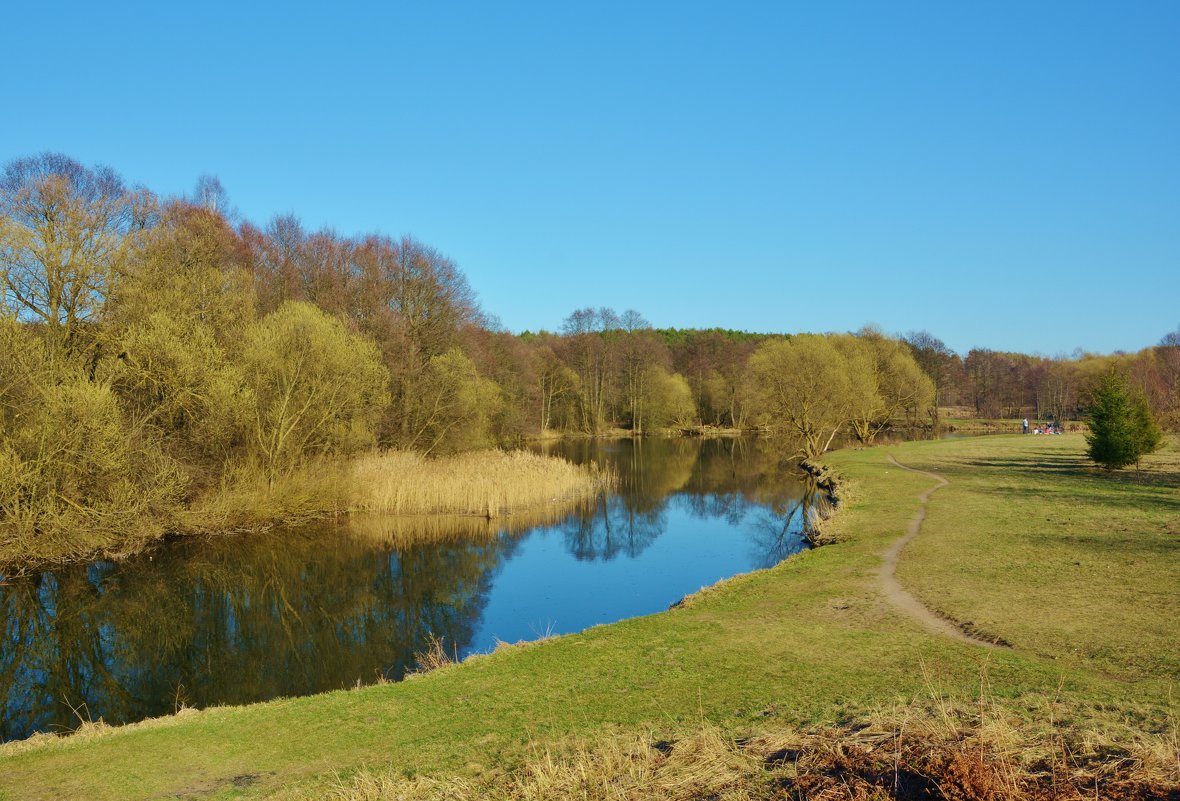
[[1028, 542], [486, 484]]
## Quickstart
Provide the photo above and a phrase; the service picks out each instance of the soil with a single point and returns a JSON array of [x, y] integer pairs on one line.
[[900, 597]]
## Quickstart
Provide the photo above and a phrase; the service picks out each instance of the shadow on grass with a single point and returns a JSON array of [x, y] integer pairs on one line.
[[1082, 469], [1114, 495], [1112, 542]]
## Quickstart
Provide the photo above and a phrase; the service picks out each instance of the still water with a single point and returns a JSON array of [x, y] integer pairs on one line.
[[235, 619]]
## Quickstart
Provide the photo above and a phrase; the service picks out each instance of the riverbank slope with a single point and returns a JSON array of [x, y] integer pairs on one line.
[[1074, 568]]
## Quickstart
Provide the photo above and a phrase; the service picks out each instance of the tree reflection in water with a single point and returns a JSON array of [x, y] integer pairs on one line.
[[228, 620], [742, 481]]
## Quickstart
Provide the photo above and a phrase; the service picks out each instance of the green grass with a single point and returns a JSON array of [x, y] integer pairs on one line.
[[1063, 560], [811, 640]]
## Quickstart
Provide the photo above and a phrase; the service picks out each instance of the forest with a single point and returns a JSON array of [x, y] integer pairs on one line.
[[159, 354]]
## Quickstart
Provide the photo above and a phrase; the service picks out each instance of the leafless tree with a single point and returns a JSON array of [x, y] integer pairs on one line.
[[66, 232]]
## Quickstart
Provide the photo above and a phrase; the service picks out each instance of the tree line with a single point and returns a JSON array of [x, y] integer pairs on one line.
[[996, 384], [157, 348]]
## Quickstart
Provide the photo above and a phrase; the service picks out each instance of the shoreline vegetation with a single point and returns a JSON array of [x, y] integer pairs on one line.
[[161, 354], [1079, 706], [383, 488], [488, 484]]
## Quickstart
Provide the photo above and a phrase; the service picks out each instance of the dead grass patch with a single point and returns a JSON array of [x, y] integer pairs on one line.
[[481, 484], [434, 656], [484, 483], [916, 753]]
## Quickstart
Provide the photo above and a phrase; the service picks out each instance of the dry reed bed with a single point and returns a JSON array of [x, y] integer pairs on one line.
[[916, 755], [485, 483], [437, 498]]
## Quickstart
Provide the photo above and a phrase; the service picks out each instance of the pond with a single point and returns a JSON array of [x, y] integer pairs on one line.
[[237, 619]]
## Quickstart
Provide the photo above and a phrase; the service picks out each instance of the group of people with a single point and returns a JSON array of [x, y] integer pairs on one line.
[[1048, 428]]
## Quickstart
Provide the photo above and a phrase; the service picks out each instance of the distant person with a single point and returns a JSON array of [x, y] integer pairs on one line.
[[1026, 425]]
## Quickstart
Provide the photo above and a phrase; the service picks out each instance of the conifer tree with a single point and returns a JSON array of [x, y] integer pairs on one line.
[[1121, 425], [1148, 436]]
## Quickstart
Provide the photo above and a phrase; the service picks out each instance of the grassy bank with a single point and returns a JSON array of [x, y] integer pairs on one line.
[[1075, 568], [482, 484]]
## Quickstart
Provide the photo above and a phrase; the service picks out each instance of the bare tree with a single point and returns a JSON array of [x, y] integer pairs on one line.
[[211, 196], [66, 232], [938, 361], [588, 353]]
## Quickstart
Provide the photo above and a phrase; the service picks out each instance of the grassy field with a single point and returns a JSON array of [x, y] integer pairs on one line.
[[1077, 569]]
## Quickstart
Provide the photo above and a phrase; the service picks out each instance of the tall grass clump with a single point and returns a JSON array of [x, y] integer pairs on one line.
[[402, 495], [484, 483]]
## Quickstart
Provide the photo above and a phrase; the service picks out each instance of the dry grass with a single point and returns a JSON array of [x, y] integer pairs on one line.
[[705, 765], [90, 730], [927, 750], [435, 655], [487, 484], [484, 483], [931, 748]]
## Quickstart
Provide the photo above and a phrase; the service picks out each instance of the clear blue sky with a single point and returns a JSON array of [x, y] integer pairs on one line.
[[1006, 175]]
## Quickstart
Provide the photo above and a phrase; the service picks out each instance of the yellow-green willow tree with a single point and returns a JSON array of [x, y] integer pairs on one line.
[[455, 406], [803, 391], [889, 385], [314, 388], [668, 399], [176, 329], [74, 476]]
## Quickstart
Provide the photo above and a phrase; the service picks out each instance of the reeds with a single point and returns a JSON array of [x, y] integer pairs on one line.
[[483, 483], [393, 492]]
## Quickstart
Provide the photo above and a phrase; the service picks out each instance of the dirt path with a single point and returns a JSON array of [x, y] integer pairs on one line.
[[898, 595]]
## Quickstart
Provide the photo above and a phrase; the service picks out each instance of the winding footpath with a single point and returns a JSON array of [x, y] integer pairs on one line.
[[898, 595]]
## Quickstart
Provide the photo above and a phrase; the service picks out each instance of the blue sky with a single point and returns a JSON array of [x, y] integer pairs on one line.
[[1006, 175]]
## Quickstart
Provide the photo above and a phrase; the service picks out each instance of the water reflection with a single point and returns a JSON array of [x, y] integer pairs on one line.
[[229, 620]]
